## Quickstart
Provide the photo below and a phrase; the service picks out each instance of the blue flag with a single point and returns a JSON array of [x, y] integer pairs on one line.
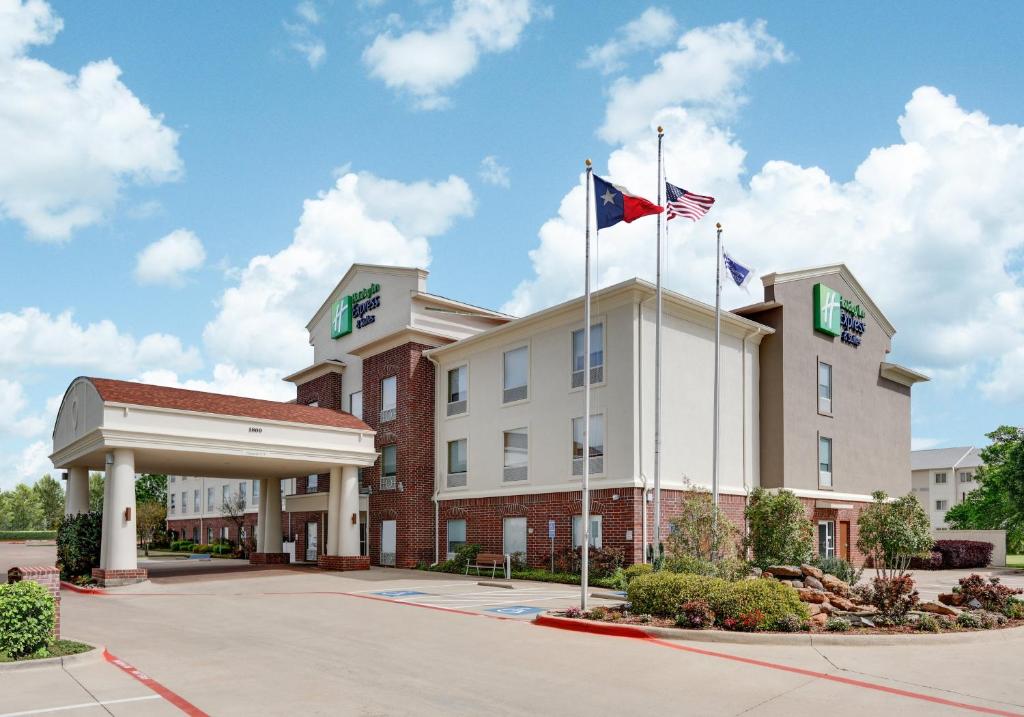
[[739, 273]]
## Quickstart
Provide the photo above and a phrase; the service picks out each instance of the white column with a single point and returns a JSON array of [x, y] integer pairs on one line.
[[76, 498], [348, 532], [117, 548], [272, 534], [261, 515], [334, 511]]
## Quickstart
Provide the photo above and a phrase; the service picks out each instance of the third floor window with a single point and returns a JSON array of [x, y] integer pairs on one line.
[[458, 390], [388, 399], [516, 369], [596, 355]]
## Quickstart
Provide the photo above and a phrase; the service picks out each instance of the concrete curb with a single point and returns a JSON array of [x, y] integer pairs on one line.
[[96, 653], [608, 596], [777, 638], [65, 585], [489, 584]]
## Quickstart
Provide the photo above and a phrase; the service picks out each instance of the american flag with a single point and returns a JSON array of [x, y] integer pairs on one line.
[[688, 205]]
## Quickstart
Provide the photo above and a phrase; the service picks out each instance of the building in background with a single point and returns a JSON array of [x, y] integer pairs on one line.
[[942, 478]]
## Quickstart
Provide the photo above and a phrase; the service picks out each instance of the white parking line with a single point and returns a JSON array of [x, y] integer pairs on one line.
[[80, 706]]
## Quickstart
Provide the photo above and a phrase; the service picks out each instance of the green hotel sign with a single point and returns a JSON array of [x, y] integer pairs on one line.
[[354, 308], [837, 316]]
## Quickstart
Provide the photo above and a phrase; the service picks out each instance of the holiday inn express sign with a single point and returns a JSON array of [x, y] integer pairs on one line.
[[356, 307], [836, 316]]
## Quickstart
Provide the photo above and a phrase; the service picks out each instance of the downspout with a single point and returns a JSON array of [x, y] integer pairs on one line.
[[437, 504]]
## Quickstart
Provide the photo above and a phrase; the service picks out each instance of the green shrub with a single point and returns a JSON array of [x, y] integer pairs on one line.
[[662, 593], [928, 623], [624, 575], [990, 619], [465, 555], [968, 620], [26, 618], [78, 544], [202, 548], [182, 546], [27, 534], [842, 569], [730, 569], [701, 530], [597, 613], [772, 599], [837, 624], [892, 532], [780, 532], [1015, 609]]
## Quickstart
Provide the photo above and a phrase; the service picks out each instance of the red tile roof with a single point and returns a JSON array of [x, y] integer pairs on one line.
[[144, 394]]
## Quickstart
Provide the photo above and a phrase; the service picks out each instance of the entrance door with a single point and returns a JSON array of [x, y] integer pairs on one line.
[[515, 538], [844, 539], [388, 540], [826, 538], [311, 542]]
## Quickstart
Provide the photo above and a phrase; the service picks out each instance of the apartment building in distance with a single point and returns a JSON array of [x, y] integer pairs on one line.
[[942, 478]]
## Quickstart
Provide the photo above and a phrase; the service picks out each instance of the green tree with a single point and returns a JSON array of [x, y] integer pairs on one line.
[[998, 502], [50, 496], [22, 509], [695, 531], [96, 492], [892, 532], [150, 518], [780, 532], [151, 488]]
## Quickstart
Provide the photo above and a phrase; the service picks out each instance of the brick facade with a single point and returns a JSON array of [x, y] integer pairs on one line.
[[114, 578], [46, 576], [324, 390], [298, 521], [343, 562], [268, 558]]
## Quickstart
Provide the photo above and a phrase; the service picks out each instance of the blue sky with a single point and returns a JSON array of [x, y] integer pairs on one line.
[[337, 131]]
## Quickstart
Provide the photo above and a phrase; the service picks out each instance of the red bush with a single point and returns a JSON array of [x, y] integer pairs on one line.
[[927, 561], [894, 598], [964, 553], [992, 595]]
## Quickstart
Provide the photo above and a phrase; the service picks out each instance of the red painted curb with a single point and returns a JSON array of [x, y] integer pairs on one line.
[[65, 585], [612, 630], [175, 699]]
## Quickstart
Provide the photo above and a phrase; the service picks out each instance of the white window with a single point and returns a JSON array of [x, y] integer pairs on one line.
[[209, 498], [225, 533], [224, 495], [255, 490], [824, 387], [172, 502], [312, 483], [209, 535], [595, 531], [355, 404], [457, 463], [458, 390], [241, 492], [389, 466], [388, 399], [456, 536], [516, 365], [941, 504], [940, 479], [196, 505], [824, 462], [514, 537], [517, 455], [826, 538], [596, 355], [184, 502], [596, 445], [172, 479], [966, 476]]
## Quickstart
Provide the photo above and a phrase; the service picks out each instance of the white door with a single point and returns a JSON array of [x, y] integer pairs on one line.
[[515, 537], [388, 539], [826, 538], [311, 541]]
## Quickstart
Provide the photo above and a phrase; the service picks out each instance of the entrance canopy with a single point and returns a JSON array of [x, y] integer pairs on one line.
[[194, 433]]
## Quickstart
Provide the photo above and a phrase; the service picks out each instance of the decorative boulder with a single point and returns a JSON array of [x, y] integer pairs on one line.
[[842, 603], [812, 582], [938, 609], [811, 596], [819, 620], [954, 599], [974, 604], [813, 609], [755, 572], [784, 571], [811, 571], [797, 583], [835, 585]]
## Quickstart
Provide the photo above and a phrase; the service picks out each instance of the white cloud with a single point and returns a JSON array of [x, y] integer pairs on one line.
[[930, 225], [493, 172], [427, 63], [302, 38], [652, 29], [32, 463], [69, 143], [255, 382], [33, 338], [167, 260], [922, 444], [363, 218], [13, 403]]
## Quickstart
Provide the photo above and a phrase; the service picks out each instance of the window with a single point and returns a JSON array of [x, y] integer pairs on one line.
[[824, 462], [596, 445], [388, 399], [389, 466], [196, 505], [312, 483], [224, 495], [940, 479], [195, 533], [516, 460], [941, 504], [457, 463], [241, 492], [209, 498], [596, 355], [172, 479], [172, 502], [255, 490], [824, 387], [209, 535], [516, 370], [966, 476], [456, 536], [513, 538], [184, 502], [355, 404], [458, 390], [826, 538], [595, 531]]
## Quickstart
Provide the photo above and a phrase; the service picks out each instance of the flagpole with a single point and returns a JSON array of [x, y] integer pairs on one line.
[[585, 528], [718, 345], [657, 382]]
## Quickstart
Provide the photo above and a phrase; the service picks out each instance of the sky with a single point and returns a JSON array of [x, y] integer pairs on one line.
[[181, 184]]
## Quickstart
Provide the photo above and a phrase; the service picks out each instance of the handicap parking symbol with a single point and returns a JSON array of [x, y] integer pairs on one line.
[[399, 593], [516, 610]]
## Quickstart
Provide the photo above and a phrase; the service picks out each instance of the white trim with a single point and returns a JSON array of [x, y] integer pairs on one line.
[[829, 494]]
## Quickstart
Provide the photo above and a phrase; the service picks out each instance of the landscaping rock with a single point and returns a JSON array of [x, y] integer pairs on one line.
[[828, 608], [813, 609], [796, 583], [937, 608], [756, 572], [819, 620], [954, 599], [835, 585], [974, 604], [784, 571], [811, 596], [842, 603], [811, 571], [812, 582]]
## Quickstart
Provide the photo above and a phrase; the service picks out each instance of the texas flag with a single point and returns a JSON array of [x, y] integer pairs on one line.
[[616, 204]]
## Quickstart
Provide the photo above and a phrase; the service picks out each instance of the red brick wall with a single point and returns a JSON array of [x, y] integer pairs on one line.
[[412, 432], [183, 527], [851, 515], [324, 390], [298, 528]]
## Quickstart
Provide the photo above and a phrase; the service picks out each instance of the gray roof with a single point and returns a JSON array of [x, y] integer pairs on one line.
[[935, 458]]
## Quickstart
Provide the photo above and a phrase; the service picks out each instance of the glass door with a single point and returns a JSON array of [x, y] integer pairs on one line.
[[827, 538], [311, 542]]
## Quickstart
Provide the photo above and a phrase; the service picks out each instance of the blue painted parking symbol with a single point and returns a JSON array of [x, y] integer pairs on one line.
[[399, 593], [516, 610]]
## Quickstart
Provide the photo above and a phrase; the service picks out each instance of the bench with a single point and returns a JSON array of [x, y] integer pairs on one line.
[[488, 561], [199, 556]]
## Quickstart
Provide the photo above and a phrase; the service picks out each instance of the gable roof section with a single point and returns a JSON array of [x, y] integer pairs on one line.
[[937, 458], [180, 399], [379, 268]]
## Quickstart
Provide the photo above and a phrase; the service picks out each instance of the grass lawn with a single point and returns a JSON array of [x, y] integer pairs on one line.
[[1015, 561], [60, 648]]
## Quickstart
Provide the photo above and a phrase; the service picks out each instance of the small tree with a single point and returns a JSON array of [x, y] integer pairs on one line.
[[150, 518], [780, 532], [696, 533], [50, 496], [892, 532], [151, 488], [234, 510], [96, 492]]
